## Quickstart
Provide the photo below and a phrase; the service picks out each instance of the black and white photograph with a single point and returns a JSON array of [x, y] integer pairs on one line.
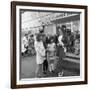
[[49, 44]]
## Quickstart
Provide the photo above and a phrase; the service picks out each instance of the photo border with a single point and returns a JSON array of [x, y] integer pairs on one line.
[[13, 44]]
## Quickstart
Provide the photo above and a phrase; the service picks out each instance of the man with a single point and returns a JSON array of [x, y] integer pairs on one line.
[[45, 63]]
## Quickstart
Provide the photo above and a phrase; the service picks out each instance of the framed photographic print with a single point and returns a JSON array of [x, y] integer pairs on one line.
[[48, 44]]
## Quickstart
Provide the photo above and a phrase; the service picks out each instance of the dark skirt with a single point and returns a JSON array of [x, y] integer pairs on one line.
[[60, 52]]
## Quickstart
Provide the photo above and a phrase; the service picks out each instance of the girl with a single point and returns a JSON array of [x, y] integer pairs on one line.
[[51, 54]]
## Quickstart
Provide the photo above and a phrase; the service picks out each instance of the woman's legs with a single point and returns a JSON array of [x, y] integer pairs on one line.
[[60, 72], [39, 70]]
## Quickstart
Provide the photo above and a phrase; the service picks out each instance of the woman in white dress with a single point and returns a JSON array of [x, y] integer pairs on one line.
[[40, 55]]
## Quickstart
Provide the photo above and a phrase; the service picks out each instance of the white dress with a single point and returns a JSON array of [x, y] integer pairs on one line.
[[61, 43], [60, 40], [40, 52]]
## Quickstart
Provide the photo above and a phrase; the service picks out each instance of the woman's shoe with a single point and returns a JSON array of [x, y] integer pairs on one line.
[[60, 74]]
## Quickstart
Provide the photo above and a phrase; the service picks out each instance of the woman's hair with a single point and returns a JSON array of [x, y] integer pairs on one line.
[[38, 37]]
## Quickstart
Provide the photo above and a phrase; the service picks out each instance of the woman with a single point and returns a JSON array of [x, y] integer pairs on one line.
[[40, 55], [60, 53]]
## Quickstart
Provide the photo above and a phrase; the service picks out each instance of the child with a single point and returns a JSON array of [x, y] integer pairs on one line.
[[51, 54]]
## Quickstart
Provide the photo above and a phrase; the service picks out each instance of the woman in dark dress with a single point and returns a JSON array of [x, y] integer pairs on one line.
[[60, 53]]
